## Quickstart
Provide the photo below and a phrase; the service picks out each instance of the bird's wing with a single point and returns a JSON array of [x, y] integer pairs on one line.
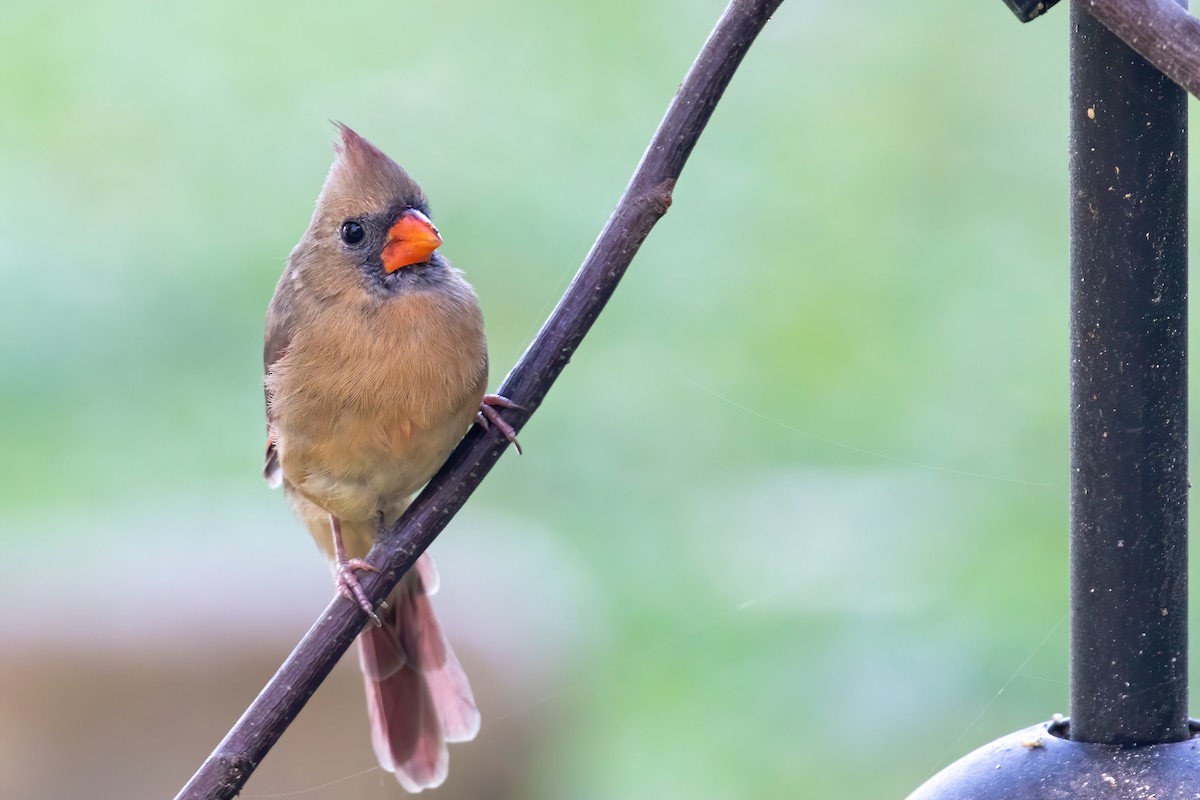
[[275, 346]]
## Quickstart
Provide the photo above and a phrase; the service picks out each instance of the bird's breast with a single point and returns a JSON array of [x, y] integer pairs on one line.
[[368, 404]]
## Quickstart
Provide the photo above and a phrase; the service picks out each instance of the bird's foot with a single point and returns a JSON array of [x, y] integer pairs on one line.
[[488, 416], [349, 587]]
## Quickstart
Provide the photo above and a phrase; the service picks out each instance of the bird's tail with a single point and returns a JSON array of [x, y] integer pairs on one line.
[[418, 697]]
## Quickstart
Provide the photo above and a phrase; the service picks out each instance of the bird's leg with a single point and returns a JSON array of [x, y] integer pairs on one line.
[[488, 416], [347, 583]]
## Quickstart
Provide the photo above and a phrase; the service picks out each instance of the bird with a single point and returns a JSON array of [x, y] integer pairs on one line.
[[375, 366]]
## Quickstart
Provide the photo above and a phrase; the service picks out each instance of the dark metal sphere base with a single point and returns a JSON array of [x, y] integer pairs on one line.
[[1039, 763]]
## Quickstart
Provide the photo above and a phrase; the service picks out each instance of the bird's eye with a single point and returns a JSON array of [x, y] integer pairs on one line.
[[352, 232]]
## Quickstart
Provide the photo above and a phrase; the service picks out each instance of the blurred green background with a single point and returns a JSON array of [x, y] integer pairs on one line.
[[793, 523]]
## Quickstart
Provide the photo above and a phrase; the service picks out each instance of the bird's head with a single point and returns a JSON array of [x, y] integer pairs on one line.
[[371, 224]]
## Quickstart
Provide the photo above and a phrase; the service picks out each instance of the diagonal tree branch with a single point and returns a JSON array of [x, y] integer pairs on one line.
[[1161, 31], [645, 200]]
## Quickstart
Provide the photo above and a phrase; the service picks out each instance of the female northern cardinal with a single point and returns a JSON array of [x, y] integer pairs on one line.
[[375, 364]]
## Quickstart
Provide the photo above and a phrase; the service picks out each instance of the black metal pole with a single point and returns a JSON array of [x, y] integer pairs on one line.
[[1128, 394]]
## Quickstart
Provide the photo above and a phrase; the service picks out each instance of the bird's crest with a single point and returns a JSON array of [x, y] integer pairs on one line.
[[361, 170]]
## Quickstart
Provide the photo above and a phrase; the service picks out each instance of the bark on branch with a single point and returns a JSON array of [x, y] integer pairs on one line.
[[1161, 31], [645, 200]]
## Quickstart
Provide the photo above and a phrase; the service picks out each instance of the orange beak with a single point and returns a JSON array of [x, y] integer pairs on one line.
[[411, 240]]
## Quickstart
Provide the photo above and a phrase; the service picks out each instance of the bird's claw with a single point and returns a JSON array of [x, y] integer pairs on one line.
[[488, 416], [349, 587]]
